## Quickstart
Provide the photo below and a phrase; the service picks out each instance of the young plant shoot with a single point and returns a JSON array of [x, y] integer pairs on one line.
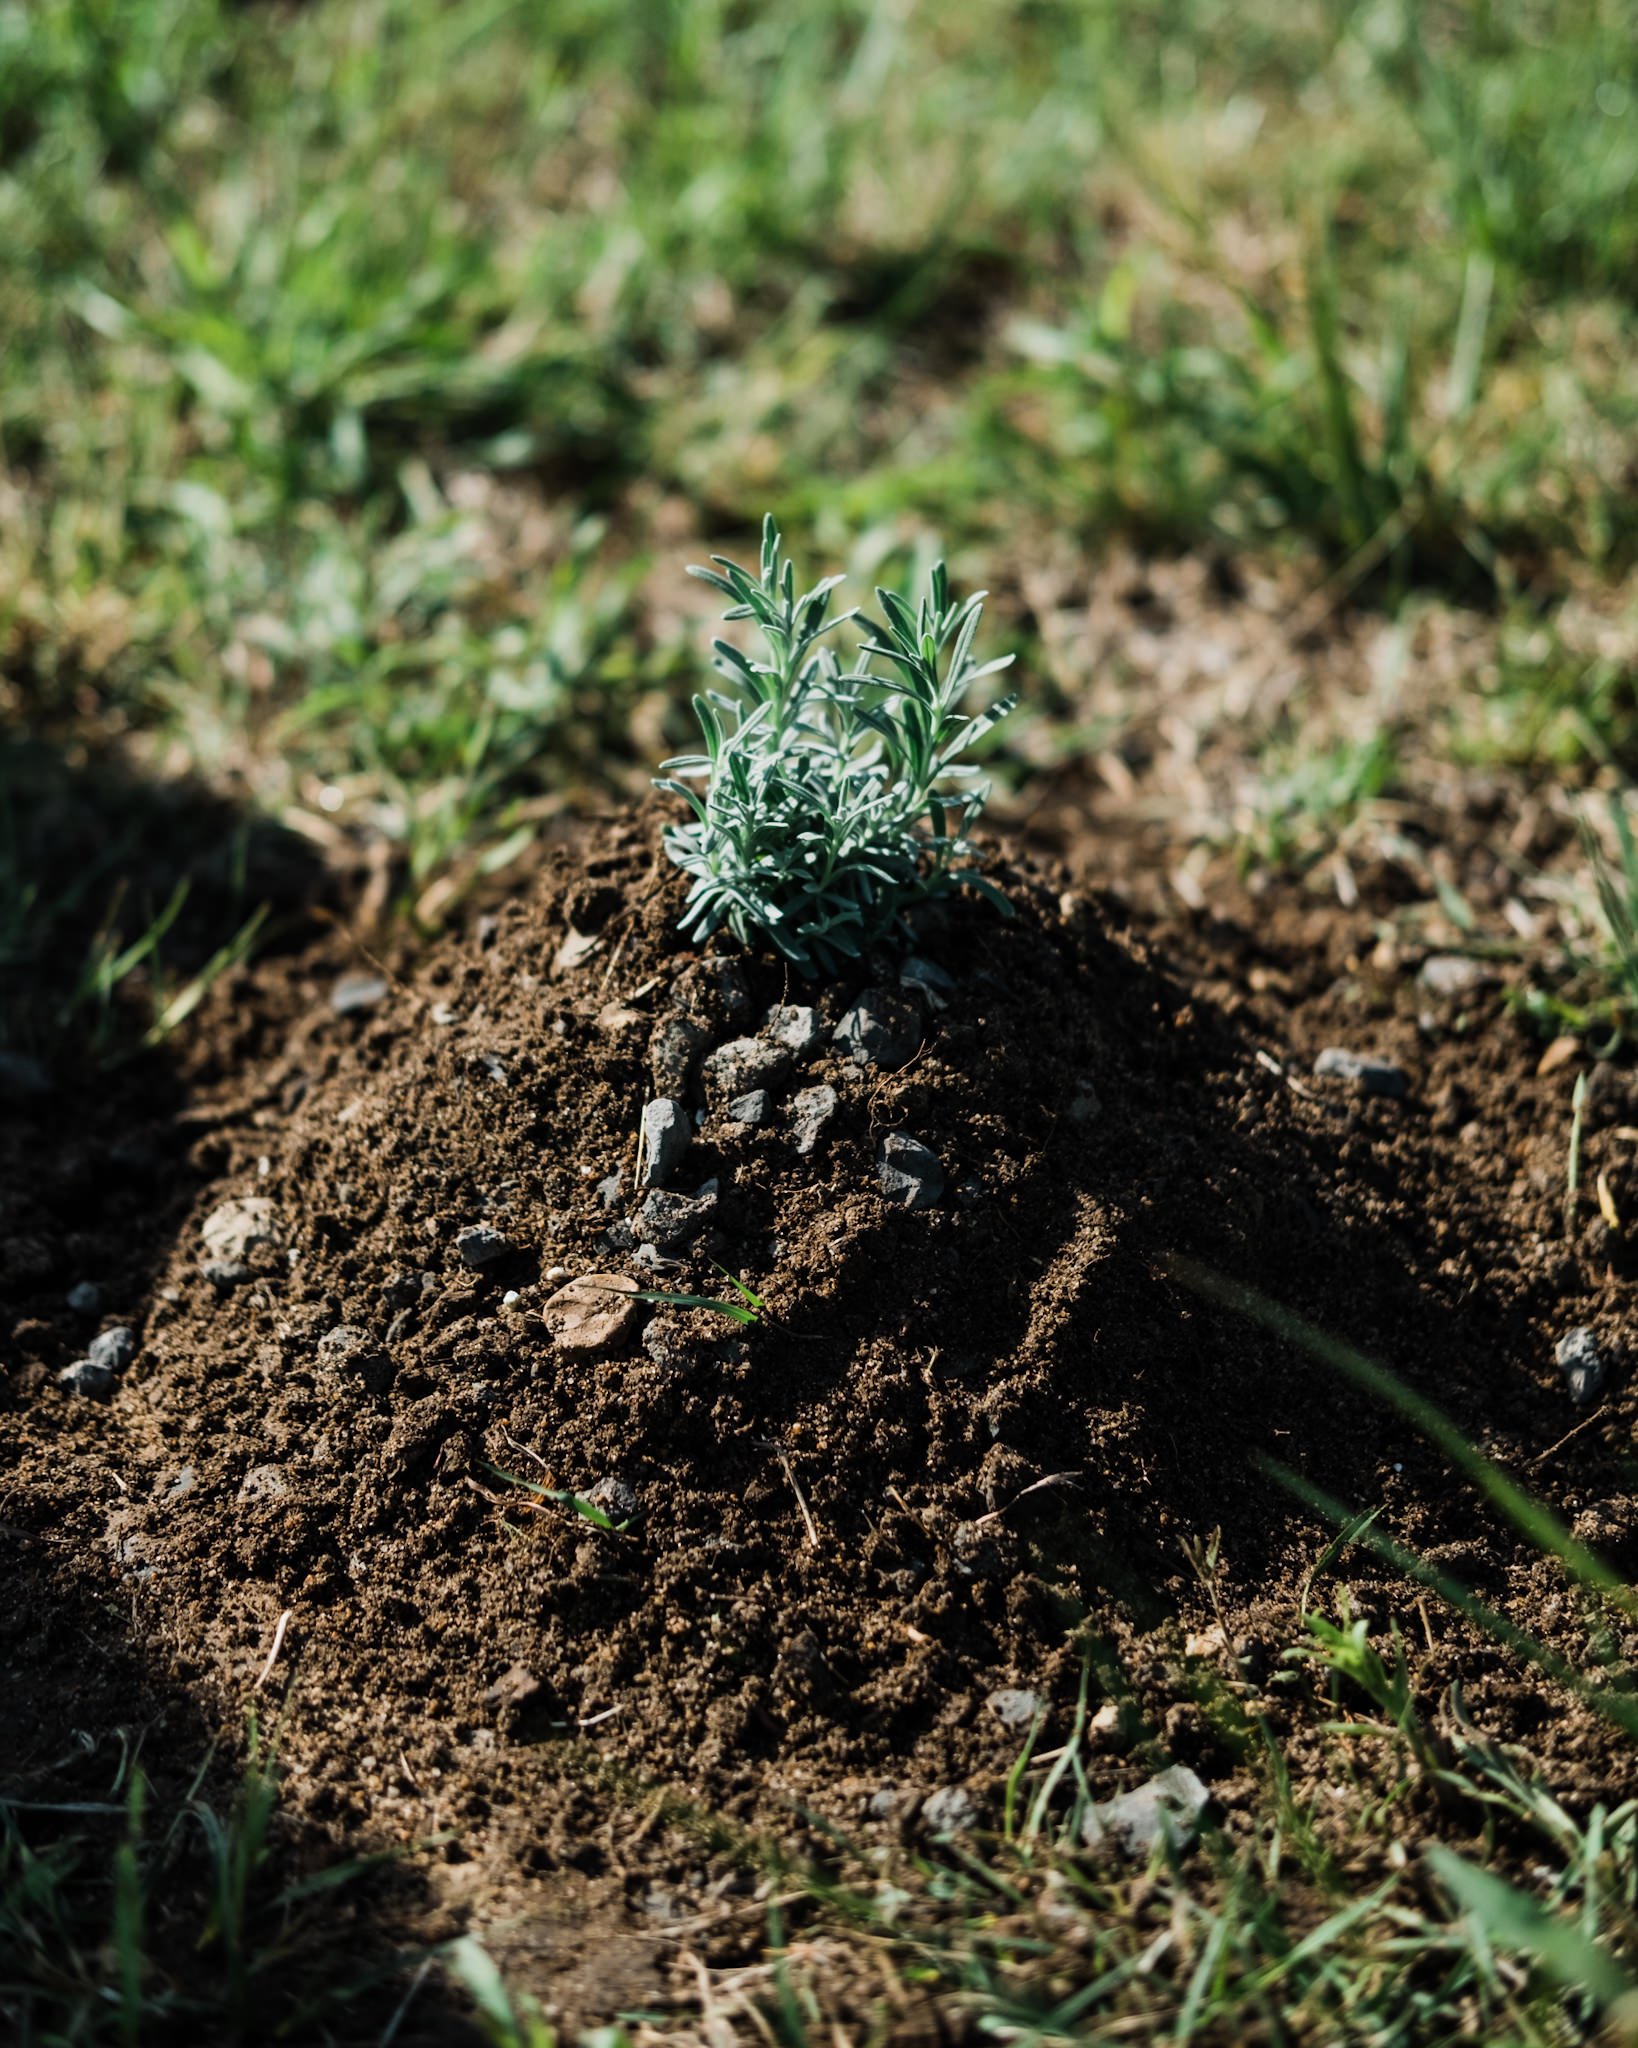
[[827, 801]]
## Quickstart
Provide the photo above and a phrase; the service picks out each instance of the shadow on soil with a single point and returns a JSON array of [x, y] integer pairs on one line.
[[99, 1160]]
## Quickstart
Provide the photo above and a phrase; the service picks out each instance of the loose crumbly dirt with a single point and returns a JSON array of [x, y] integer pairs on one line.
[[961, 1451]]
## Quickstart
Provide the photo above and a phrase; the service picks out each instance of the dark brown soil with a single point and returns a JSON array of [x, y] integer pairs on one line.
[[961, 1451]]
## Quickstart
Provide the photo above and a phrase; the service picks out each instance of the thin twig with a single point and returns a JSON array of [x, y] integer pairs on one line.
[[801, 1500], [273, 1654], [1586, 1423], [1052, 1479]]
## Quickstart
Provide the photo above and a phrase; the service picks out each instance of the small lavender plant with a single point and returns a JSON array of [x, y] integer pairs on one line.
[[832, 799]]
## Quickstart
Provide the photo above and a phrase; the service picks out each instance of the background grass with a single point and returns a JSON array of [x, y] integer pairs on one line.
[[361, 359]]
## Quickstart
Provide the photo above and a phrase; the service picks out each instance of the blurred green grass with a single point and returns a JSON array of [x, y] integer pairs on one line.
[[360, 359]]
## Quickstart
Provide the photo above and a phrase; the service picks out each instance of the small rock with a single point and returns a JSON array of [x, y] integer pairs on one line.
[[976, 1551], [1084, 1105], [683, 1340], [744, 1064], [615, 1019], [353, 994], [264, 1482], [1453, 974], [794, 1026], [749, 1109], [180, 1487], [1014, 1707], [909, 1173], [591, 1314], [609, 1189], [113, 1348], [225, 1274], [811, 1111], [1109, 1728], [576, 949], [1169, 1806], [667, 1135], [514, 1688], [479, 1246], [950, 1811], [353, 1348], [405, 1290], [85, 1299], [881, 1030], [237, 1227], [674, 1048], [1582, 1364], [882, 1805], [928, 980], [619, 1237], [125, 1538], [86, 1377], [617, 1500], [1560, 1053], [417, 1434], [22, 1079], [1371, 1076], [671, 1221]]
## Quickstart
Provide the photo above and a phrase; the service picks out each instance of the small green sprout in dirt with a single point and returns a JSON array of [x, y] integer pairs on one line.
[[832, 799], [749, 1309]]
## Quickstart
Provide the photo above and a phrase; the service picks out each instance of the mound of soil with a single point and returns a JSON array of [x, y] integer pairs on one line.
[[955, 1457]]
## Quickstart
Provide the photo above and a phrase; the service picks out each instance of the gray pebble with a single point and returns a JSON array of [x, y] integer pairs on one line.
[[617, 1500], [744, 1064], [794, 1026], [928, 980], [349, 1346], [404, 1290], [85, 1299], [674, 1048], [480, 1246], [619, 1237], [950, 1811], [667, 1134], [749, 1109], [1168, 1806], [353, 994], [180, 1487], [881, 1030], [1013, 1707], [1582, 1364], [113, 1348], [1084, 1105], [669, 1221], [1453, 974], [812, 1110], [224, 1274], [86, 1377], [264, 1482], [1374, 1076], [239, 1226], [609, 1189], [909, 1173]]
